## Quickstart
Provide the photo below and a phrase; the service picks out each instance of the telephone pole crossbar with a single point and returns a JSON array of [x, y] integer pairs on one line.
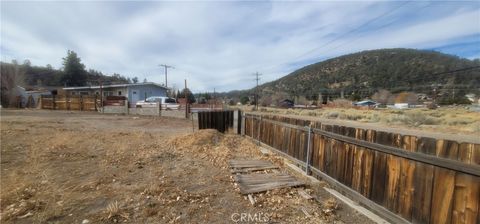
[[166, 68]]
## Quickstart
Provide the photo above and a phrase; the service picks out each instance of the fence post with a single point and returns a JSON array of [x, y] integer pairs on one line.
[[258, 129], [307, 165], [274, 126], [159, 109], [41, 102], [193, 124], [95, 102], [53, 102], [253, 122], [244, 123], [67, 101], [239, 122], [126, 107], [81, 102]]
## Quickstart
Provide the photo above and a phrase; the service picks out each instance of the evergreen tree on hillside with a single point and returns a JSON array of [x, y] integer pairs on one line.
[[190, 96], [74, 70]]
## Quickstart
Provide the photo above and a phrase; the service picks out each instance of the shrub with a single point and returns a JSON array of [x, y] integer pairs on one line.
[[332, 115], [417, 119], [374, 118], [352, 117], [342, 103], [454, 122], [437, 114]]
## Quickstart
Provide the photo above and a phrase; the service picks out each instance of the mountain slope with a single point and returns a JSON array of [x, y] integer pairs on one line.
[[368, 71]]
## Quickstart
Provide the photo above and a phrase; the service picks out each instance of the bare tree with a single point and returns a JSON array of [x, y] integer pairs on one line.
[[266, 101], [406, 97], [12, 75], [382, 96]]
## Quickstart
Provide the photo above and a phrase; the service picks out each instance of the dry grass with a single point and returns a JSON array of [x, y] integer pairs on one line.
[[444, 119]]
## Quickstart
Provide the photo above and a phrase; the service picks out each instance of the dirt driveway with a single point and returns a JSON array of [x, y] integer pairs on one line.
[[73, 167]]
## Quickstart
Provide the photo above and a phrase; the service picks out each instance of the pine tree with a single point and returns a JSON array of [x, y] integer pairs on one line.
[[74, 70]]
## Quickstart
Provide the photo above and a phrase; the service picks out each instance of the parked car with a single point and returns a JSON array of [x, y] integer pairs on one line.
[[166, 102]]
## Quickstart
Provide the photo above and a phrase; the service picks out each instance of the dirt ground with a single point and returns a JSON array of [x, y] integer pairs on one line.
[[74, 167]]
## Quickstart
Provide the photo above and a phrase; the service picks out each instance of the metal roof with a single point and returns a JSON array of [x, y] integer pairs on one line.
[[115, 86]]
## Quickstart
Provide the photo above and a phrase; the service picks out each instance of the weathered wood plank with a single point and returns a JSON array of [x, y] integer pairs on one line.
[[315, 146], [357, 169], [254, 183], [466, 199], [442, 196], [367, 170], [392, 184], [447, 149], [465, 152], [348, 170], [406, 188], [406, 185], [422, 195], [379, 177], [321, 153]]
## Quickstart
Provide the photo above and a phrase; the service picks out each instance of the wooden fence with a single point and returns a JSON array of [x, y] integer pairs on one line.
[[220, 120], [59, 102], [402, 177]]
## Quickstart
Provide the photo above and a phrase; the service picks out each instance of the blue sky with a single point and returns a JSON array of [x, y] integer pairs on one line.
[[219, 44]]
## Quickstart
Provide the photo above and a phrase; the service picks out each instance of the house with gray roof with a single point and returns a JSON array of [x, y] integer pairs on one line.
[[133, 92]]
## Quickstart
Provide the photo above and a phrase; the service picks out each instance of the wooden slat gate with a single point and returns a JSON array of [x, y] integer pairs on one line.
[[220, 120], [404, 178]]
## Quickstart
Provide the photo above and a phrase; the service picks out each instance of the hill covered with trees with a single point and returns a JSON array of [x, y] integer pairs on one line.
[[73, 73], [362, 74]]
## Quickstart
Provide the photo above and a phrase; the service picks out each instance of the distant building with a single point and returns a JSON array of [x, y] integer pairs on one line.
[[28, 97], [134, 92], [366, 103], [286, 103], [473, 98]]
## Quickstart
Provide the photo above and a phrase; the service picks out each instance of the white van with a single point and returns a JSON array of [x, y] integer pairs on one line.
[[166, 102]]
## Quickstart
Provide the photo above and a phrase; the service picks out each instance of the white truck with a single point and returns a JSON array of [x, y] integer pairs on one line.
[[167, 103]]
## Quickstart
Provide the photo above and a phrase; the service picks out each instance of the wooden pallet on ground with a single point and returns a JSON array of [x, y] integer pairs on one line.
[[245, 166], [255, 183]]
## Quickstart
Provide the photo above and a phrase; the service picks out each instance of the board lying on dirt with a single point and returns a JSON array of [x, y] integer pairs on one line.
[[245, 166], [254, 183]]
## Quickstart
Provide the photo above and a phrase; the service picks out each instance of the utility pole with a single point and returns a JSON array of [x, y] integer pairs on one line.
[[257, 78], [166, 68], [186, 100], [434, 93]]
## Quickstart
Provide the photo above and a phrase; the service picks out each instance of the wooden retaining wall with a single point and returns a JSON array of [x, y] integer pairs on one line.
[[404, 178], [60, 102]]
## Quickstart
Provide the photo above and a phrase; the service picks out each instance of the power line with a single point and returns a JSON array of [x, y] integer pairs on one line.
[[379, 28], [345, 34]]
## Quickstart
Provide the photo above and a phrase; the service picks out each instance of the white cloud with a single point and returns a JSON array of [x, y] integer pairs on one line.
[[220, 44]]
